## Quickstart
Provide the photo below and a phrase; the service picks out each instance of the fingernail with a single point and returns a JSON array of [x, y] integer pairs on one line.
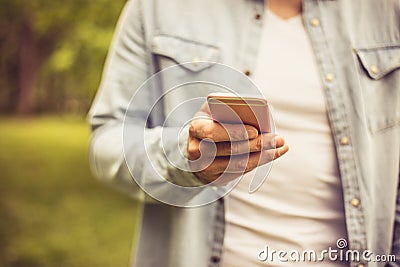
[[278, 141], [252, 133], [273, 141]]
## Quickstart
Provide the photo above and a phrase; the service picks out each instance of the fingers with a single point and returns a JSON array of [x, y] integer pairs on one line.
[[204, 128], [281, 151], [243, 163], [261, 142], [220, 153], [204, 148]]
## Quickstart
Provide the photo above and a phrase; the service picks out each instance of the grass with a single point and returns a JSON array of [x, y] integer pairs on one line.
[[52, 211]]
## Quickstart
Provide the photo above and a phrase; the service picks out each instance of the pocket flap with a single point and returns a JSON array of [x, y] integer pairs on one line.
[[180, 50], [379, 61]]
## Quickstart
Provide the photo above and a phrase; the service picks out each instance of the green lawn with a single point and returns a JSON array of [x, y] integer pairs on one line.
[[52, 211]]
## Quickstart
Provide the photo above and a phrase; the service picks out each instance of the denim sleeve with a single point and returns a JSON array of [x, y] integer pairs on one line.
[[127, 67]]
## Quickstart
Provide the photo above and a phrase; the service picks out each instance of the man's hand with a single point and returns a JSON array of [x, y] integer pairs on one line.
[[229, 150]]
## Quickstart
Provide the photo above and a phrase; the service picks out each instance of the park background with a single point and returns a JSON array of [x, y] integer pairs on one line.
[[53, 212]]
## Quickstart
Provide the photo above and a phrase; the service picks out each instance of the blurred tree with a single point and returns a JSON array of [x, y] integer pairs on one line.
[[52, 52]]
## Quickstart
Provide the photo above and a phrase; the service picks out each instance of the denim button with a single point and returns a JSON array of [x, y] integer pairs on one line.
[[355, 202], [374, 70], [314, 22], [196, 60], [344, 140], [329, 77]]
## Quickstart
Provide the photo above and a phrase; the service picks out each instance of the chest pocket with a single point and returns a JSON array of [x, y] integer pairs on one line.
[[172, 50], [380, 81], [181, 62]]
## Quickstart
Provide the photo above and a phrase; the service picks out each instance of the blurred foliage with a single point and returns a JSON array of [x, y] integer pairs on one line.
[[53, 212], [52, 53]]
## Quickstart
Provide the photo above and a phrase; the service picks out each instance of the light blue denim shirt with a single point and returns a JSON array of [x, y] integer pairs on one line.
[[357, 48]]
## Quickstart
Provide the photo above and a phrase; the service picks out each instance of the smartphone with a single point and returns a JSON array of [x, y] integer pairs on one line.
[[242, 109]]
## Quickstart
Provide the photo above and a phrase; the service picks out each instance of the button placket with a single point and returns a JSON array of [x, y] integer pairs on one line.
[[336, 108]]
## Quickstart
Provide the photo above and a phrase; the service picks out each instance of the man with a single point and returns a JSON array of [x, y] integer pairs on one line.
[[332, 75]]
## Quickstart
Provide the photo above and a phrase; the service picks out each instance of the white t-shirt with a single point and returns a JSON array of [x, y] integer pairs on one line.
[[300, 205]]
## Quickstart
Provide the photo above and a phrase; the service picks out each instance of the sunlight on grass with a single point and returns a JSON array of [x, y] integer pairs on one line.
[[53, 212]]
